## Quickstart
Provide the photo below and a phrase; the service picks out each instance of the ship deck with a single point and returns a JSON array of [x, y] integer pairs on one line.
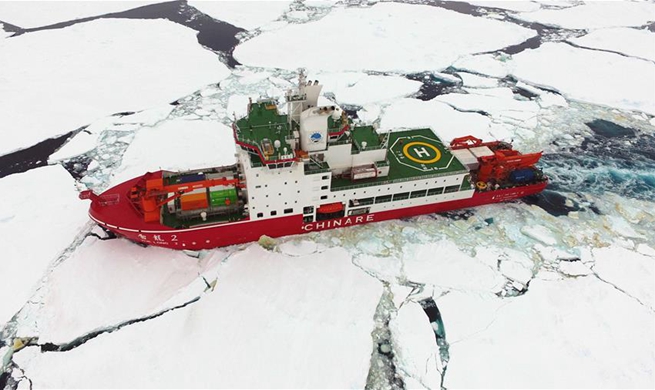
[[413, 154]]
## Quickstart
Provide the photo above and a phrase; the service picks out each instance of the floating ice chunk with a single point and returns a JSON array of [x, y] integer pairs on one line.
[[466, 314], [248, 14], [82, 294], [369, 113], [595, 14], [499, 102], [629, 41], [549, 99], [361, 89], [299, 248], [414, 345], [471, 80], [620, 227], [630, 271], [38, 14], [444, 37], [160, 147], [589, 75], [577, 328], [40, 216], [646, 250], [272, 321], [83, 141], [100, 66], [573, 268], [517, 6], [539, 233], [238, 105], [383, 267], [487, 64], [444, 265], [444, 120]]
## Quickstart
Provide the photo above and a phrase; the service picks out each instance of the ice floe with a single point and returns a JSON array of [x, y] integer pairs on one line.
[[595, 14], [360, 88], [434, 39], [563, 333], [272, 321], [209, 144], [446, 122], [495, 65], [589, 75], [56, 81], [246, 14], [39, 218], [516, 6], [629, 41], [45, 13]]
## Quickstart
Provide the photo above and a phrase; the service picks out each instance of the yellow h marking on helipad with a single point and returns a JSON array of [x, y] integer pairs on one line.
[[421, 152]]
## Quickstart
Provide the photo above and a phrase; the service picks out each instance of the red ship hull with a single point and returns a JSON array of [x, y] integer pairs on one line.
[[122, 218]]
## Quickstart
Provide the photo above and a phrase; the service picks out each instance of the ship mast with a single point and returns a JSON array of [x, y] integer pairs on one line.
[[296, 99]]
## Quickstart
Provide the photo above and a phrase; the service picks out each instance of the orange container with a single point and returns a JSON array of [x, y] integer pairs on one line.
[[194, 201]]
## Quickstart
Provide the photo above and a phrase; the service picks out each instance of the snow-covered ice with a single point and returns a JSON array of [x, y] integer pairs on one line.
[[246, 14], [40, 216], [446, 122], [434, 40], [486, 64], [516, 6], [56, 81], [629, 41], [209, 144], [272, 321], [360, 88], [595, 14], [34, 14], [590, 76], [83, 294], [569, 333]]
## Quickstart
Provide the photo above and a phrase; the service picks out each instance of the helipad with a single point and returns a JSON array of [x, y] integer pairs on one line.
[[420, 152]]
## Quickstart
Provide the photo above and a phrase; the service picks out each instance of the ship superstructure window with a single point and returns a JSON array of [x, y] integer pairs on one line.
[[288, 211], [435, 191], [383, 199], [451, 189], [324, 187], [308, 210], [273, 213], [360, 202], [325, 177], [323, 197], [308, 219], [260, 215], [401, 196], [417, 194]]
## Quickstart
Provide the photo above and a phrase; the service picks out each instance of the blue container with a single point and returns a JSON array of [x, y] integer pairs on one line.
[[191, 178], [522, 176]]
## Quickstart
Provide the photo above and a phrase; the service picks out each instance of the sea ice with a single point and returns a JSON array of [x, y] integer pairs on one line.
[[630, 271], [495, 65], [475, 81], [246, 14], [589, 75], [382, 40], [44, 13], [573, 333], [444, 120], [360, 88], [158, 147], [414, 346], [56, 81], [595, 14], [272, 321], [516, 6], [40, 216], [629, 41]]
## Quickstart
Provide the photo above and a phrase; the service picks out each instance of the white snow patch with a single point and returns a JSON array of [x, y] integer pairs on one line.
[[493, 65], [632, 272], [414, 346], [471, 80], [93, 70], [273, 321], [573, 268], [517, 6], [595, 14], [32, 14], [246, 14], [83, 293], [444, 265], [40, 216], [383, 40], [361, 89], [561, 334], [207, 144], [444, 120], [590, 76], [629, 41]]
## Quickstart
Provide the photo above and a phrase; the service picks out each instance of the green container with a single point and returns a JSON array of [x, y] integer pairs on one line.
[[218, 198]]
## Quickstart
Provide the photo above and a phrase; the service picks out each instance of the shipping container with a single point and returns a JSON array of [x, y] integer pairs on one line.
[[194, 201]]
